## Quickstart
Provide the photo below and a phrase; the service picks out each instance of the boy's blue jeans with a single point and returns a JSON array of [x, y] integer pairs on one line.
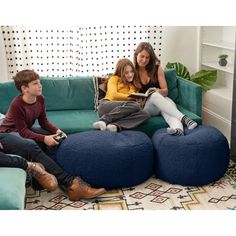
[[13, 143]]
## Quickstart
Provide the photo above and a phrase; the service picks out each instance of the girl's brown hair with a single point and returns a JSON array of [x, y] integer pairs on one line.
[[24, 77], [153, 61], [120, 71]]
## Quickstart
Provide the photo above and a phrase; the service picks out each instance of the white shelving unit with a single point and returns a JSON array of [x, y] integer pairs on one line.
[[217, 102]]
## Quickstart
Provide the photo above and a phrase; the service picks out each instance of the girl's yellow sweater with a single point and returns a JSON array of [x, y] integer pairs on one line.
[[117, 90]]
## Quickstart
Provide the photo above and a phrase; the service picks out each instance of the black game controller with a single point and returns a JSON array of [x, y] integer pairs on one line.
[[60, 137]]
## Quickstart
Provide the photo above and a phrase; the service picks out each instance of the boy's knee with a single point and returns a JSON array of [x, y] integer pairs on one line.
[[29, 143]]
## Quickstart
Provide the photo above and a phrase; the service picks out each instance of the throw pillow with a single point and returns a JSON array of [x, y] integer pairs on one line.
[[100, 87]]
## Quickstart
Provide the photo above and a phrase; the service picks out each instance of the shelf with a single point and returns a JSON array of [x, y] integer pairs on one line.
[[223, 92], [219, 101], [221, 45], [229, 68]]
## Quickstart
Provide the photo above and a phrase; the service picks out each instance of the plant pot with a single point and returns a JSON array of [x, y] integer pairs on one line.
[[223, 62]]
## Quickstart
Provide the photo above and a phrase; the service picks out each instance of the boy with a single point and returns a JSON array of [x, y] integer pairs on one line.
[[19, 133]]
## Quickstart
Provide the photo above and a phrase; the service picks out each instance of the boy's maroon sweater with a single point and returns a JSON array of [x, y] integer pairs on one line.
[[21, 116]]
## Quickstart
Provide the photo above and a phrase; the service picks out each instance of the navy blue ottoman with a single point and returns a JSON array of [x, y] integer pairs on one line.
[[108, 159], [198, 158]]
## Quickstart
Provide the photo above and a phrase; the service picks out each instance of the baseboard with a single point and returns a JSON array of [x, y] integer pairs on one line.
[[211, 118]]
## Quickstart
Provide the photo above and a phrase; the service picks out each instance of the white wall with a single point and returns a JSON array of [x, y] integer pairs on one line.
[[180, 44], [3, 62]]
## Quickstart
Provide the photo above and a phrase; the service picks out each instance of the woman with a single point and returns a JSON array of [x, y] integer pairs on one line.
[[151, 75], [117, 111]]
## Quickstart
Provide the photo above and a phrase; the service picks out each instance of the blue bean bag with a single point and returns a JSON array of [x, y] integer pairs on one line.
[[108, 159], [198, 158]]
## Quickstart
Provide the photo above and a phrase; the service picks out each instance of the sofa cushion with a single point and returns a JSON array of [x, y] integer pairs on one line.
[[171, 79], [60, 93], [72, 121], [7, 92], [70, 93], [12, 188]]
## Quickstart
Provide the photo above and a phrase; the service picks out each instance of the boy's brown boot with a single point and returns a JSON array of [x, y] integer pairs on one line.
[[80, 189], [46, 180]]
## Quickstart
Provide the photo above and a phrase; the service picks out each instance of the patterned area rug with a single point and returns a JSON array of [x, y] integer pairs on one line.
[[154, 194]]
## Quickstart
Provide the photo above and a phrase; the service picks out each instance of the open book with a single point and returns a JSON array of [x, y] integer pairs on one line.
[[144, 95]]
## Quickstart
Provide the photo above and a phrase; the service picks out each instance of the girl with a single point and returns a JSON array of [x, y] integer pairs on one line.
[[117, 111], [150, 75]]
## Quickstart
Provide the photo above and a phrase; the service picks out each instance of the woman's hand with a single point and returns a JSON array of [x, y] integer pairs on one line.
[[162, 92]]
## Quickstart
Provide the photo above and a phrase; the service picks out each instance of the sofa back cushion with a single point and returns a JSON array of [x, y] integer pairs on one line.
[[7, 92], [171, 79], [70, 93]]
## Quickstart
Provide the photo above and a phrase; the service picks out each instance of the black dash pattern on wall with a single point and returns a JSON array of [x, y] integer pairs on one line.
[[75, 50]]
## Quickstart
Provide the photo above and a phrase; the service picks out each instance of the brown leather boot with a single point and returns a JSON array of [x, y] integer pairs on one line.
[[80, 189], [46, 180]]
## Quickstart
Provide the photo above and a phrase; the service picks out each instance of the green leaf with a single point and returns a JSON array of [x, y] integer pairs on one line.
[[205, 78], [181, 70]]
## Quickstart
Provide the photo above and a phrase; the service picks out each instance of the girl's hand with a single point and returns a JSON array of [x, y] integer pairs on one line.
[[141, 101]]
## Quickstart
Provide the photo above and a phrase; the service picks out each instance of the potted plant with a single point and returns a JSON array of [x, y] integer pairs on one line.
[[205, 78], [222, 59]]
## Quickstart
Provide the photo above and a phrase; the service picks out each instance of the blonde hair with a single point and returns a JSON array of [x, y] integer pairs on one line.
[[120, 71]]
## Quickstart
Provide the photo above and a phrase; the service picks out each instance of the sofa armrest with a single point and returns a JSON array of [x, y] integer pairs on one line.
[[12, 188], [190, 95]]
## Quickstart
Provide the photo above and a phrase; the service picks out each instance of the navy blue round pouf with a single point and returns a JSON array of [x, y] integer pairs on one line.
[[198, 158], [108, 159]]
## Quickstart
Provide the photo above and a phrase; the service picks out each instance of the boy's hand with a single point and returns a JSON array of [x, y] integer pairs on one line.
[[60, 132], [50, 141]]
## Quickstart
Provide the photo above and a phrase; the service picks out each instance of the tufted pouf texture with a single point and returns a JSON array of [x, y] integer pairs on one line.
[[198, 158], [108, 159]]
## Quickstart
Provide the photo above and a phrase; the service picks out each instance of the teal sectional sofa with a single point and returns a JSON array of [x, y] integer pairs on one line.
[[70, 102]]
